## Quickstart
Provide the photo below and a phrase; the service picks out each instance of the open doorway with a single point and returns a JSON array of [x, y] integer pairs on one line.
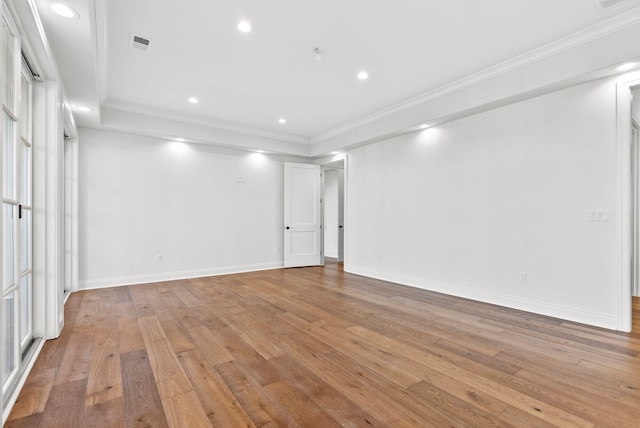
[[334, 212]]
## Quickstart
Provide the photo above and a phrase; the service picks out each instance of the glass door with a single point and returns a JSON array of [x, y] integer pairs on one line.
[[8, 127], [25, 212], [16, 313]]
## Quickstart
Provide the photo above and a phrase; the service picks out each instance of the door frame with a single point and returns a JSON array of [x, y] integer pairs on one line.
[[635, 207], [623, 288], [343, 161], [340, 241]]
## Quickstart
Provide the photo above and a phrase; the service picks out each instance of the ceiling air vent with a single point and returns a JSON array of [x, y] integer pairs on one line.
[[140, 42], [603, 4]]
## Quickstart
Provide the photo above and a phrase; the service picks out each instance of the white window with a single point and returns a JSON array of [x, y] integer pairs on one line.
[[16, 313]]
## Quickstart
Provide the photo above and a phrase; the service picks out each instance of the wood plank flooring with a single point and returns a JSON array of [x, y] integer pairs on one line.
[[316, 347]]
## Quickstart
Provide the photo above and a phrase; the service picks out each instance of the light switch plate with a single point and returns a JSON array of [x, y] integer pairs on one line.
[[599, 215]]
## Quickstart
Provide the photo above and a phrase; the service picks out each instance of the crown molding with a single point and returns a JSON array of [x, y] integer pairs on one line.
[[573, 40], [594, 32], [99, 10], [221, 126], [37, 50], [100, 25], [34, 40]]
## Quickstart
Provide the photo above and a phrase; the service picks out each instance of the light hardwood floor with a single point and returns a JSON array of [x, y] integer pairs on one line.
[[315, 347]]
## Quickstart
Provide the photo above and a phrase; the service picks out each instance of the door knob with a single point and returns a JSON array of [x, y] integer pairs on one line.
[[340, 226], [288, 228]]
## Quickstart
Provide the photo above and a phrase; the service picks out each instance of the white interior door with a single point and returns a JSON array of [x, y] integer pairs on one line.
[[302, 215]]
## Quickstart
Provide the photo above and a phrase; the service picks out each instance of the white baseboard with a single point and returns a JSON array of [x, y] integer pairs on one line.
[[171, 276], [608, 321]]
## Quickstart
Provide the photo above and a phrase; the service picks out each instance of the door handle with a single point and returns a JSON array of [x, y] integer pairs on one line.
[[340, 226], [288, 228]]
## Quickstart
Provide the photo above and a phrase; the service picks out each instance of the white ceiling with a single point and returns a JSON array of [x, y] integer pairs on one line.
[[248, 81]]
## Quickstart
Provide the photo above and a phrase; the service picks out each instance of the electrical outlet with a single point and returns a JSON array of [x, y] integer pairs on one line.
[[523, 276], [158, 259]]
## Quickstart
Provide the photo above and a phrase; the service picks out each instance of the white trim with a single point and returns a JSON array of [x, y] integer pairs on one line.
[[9, 113], [581, 37], [21, 381], [71, 215], [99, 21], [171, 276], [216, 125], [75, 255], [345, 209], [623, 147], [26, 48], [44, 52], [578, 39], [528, 305], [69, 122], [635, 141], [48, 239]]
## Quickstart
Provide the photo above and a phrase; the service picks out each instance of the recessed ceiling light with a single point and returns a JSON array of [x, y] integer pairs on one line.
[[363, 75], [424, 126], [282, 120], [628, 66], [64, 10], [335, 153], [180, 140], [193, 100], [244, 27], [83, 108], [259, 151]]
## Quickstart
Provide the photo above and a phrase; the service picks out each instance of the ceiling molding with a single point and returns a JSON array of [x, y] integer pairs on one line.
[[170, 129], [584, 63], [603, 4], [216, 147], [578, 38], [33, 38], [101, 45], [602, 29], [36, 46], [100, 23], [124, 107]]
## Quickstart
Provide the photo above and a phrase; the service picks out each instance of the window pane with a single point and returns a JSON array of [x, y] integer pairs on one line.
[[25, 228], [8, 337], [26, 175], [8, 246], [8, 63], [25, 308], [4, 77], [8, 157], [25, 115]]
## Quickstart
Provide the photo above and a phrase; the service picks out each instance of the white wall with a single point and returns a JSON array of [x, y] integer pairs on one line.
[[466, 207], [330, 200], [141, 197]]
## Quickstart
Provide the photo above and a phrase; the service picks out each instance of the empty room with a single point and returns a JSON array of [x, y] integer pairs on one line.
[[328, 213]]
